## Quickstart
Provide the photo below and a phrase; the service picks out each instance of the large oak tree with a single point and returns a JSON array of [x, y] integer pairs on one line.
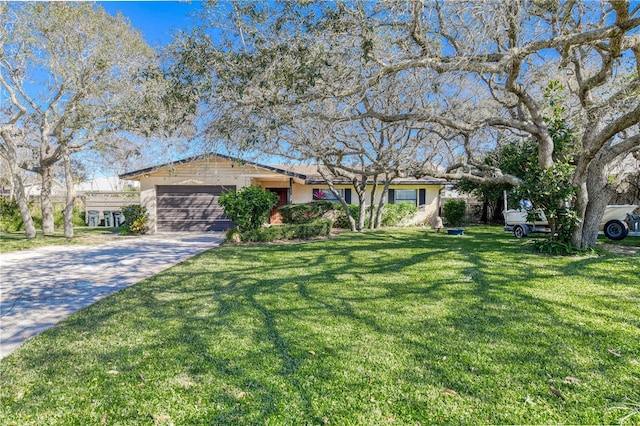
[[485, 69], [72, 78]]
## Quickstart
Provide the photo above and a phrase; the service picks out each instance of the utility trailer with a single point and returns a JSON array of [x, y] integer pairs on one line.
[[617, 222], [515, 220]]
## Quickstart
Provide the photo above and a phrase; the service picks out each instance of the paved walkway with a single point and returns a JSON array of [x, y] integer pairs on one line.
[[42, 286]]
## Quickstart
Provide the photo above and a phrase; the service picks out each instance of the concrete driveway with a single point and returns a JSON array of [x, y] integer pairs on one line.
[[42, 286]]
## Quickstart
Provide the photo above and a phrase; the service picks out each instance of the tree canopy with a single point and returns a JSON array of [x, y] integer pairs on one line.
[[470, 75], [74, 78]]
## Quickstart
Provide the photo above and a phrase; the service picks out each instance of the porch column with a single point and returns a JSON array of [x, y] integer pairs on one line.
[[290, 191]]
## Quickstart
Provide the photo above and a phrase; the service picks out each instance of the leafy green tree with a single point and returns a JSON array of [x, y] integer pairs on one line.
[[490, 195], [72, 78], [549, 188], [249, 207], [515, 158]]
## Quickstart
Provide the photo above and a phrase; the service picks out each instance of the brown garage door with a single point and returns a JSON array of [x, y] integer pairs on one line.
[[191, 208]]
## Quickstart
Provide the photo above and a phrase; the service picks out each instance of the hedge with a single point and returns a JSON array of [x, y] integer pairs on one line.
[[342, 221], [307, 212], [302, 231], [455, 211], [394, 214], [11, 220]]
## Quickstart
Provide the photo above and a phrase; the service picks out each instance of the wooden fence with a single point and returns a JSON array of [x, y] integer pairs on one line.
[[473, 208]]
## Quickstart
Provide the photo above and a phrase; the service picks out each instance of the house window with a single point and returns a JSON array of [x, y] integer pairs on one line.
[[405, 196], [326, 194]]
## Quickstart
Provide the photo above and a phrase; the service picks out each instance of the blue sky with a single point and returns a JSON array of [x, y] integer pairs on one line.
[[156, 19]]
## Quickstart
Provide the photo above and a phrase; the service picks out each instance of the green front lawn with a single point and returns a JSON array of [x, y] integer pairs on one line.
[[387, 327], [13, 241]]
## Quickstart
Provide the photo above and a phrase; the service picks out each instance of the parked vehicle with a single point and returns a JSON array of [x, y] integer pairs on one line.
[[516, 220], [617, 222]]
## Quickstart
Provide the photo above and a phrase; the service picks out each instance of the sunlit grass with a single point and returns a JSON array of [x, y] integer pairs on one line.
[[13, 241], [397, 326]]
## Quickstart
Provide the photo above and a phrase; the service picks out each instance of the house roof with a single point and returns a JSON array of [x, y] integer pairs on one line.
[[308, 173], [313, 176], [34, 189], [106, 184], [137, 173]]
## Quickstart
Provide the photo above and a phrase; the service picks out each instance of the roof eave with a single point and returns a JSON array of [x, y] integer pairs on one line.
[[137, 174], [315, 181]]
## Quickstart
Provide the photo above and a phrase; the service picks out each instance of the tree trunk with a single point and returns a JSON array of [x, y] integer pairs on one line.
[[496, 211], [8, 151], [385, 191], [23, 204], [362, 216], [360, 188], [594, 193], [45, 200], [12, 187], [345, 206], [372, 212], [362, 212], [485, 211], [70, 200], [591, 221]]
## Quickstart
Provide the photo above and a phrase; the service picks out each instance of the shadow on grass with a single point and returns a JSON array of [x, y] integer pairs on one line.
[[336, 330]]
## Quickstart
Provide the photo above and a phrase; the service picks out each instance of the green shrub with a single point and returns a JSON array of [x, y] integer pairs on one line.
[[77, 219], [317, 228], [249, 207], [58, 216], [232, 235], [10, 219], [302, 231], [455, 211], [342, 221], [135, 220], [393, 214], [558, 248], [307, 212]]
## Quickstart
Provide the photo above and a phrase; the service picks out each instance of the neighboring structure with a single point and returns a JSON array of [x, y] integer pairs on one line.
[[107, 184], [34, 190], [112, 184], [104, 197], [629, 190], [183, 196], [99, 206], [473, 205]]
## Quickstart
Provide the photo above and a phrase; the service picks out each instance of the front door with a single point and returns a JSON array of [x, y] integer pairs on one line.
[[283, 195]]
